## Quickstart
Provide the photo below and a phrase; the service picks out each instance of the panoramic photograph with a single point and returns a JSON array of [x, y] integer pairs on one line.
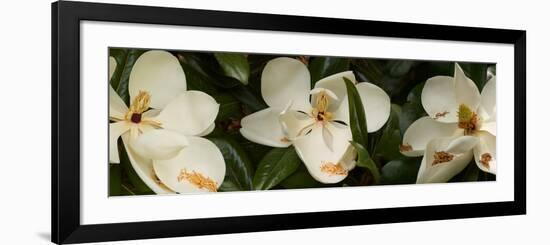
[[185, 122]]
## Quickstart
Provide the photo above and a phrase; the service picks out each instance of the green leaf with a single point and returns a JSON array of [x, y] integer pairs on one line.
[[365, 161], [125, 63], [402, 171], [114, 180], [208, 69], [239, 171], [412, 109], [358, 121], [249, 99], [321, 67], [300, 179], [471, 173], [230, 107], [276, 165], [234, 65], [388, 145]]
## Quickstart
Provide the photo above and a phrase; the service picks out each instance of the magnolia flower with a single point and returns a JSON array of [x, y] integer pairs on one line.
[[461, 124], [163, 142], [318, 128]]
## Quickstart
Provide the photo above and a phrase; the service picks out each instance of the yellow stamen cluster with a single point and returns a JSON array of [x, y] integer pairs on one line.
[[405, 147], [320, 112], [467, 119], [485, 159], [333, 169], [198, 180], [442, 157], [140, 103]]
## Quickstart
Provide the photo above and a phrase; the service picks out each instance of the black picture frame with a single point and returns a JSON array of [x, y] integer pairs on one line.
[[66, 18]]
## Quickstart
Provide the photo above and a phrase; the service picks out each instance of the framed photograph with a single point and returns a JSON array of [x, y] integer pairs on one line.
[[176, 122]]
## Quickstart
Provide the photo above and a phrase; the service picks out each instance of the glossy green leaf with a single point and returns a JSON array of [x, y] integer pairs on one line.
[[402, 171], [206, 67], [234, 65], [365, 161], [388, 145], [239, 171], [252, 101], [321, 67], [114, 179], [357, 118], [412, 109], [125, 62], [230, 107], [276, 165], [300, 179]]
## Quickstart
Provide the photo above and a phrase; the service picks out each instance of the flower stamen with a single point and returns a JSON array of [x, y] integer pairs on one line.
[[405, 147], [442, 157], [333, 169], [198, 180], [467, 119], [485, 159]]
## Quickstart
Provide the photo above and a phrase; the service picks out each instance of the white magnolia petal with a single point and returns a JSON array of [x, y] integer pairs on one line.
[[342, 112], [466, 91], [200, 158], [115, 131], [328, 138], [263, 127], [112, 66], [295, 123], [283, 80], [159, 144], [421, 131], [487, 145], [151, 113], [315, 154], [441, 172], [438, 99], [117, 107], [462, 144], [490, 127], [337, 85], [191, 113], [376, 103], [489, 98], [144, 168], [208, 130], [160, 74]]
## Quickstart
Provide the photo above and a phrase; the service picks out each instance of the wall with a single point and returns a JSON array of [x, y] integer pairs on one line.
[[25, 99]]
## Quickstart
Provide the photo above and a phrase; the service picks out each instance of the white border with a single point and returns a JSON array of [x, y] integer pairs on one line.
[[96, 207]]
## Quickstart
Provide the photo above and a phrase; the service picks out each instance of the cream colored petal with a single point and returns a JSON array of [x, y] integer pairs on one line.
[[160, 74], [112, 66], [263, 127], [151, 113], [438, 99], [466, 91], [159, 144], [490, 127], [284, 80], [315, 154], [295, 124], [443, 172], [337, 85], [191, 113], [208, 130], [117, 107], [144, 168], [489, 98], [487, 145], [201, 161], [115, 131], [376, 103], [422, 131]]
